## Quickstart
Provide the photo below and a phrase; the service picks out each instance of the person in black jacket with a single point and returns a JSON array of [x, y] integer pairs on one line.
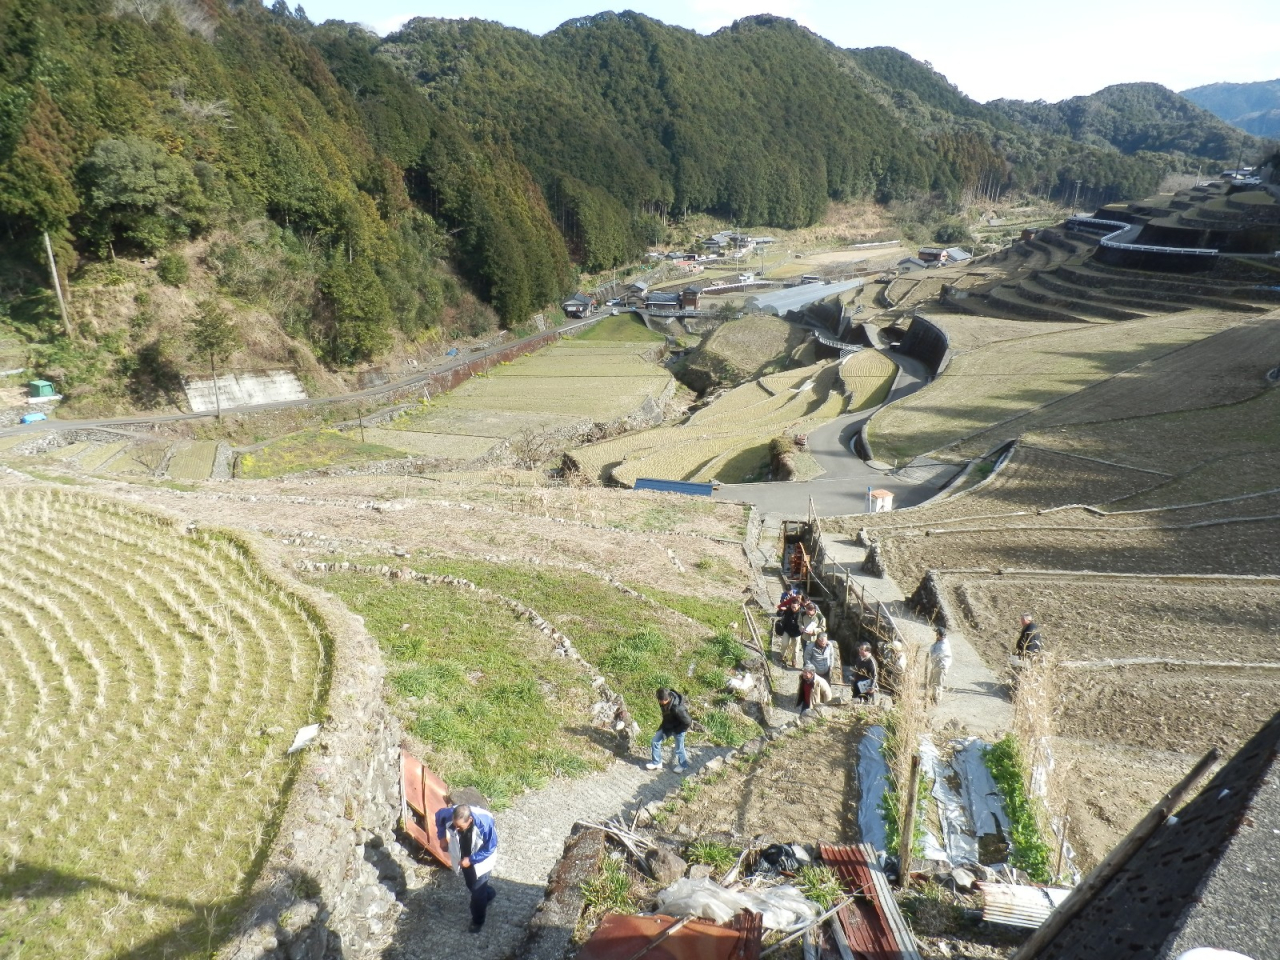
[[675, 723], [1029, 643]]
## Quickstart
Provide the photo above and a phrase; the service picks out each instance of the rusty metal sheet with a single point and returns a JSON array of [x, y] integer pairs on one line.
[[872, 923], [621, 937], [1019, 905], [422, 796]]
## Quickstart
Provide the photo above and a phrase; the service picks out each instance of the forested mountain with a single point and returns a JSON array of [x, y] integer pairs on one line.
[[127, 126], [1253, 107], [1132, 117]]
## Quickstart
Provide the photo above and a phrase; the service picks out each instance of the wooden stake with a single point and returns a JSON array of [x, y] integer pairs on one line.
[[1062, 846], [799, 933], [57, 286], [907, 836]]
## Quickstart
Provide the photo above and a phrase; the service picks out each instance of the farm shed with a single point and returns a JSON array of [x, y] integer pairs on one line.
[[41, 389], [955, 255], [662, 300], [689, 297], [932, 254], [579, 305]]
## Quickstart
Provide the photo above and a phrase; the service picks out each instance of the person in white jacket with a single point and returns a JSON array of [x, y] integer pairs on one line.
[[939, 664]]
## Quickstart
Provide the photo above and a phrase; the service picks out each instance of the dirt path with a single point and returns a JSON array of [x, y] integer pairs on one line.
[[531, 836]]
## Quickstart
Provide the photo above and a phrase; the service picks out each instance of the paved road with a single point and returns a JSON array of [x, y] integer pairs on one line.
[[422, 376], [842, 487]]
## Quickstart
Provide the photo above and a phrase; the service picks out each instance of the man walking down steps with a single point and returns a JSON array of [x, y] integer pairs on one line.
[[476, 837]]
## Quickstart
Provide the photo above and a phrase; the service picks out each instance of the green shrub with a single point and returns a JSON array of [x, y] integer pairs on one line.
[[1030, 852], [172, 269], [820, 884], [721, 856]]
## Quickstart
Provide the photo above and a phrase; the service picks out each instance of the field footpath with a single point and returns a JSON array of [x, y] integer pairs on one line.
[[532, 831]]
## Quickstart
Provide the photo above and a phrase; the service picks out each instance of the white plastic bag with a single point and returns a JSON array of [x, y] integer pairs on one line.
[[455, 851], [781, 907], [701, 898]]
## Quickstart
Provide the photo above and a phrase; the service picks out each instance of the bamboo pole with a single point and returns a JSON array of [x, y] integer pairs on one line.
[[907, 834], [659, 938], [1114, 861], [798, 933]]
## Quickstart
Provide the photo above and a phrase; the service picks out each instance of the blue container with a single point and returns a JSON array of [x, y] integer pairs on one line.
[[34, 418]]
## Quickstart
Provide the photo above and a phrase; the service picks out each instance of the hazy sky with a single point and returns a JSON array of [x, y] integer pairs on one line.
[[1026, 50]]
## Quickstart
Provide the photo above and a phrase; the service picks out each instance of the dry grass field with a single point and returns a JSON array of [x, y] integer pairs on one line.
[[728, 439], [152, 682], [1007, 378]]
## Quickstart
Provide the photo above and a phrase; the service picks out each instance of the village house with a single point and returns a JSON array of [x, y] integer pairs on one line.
[[578, 306]]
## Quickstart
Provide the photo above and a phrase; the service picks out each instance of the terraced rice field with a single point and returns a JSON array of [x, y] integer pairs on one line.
[[728, 439], [563, 389], [152, 682], [193, 460], [1009, 378]]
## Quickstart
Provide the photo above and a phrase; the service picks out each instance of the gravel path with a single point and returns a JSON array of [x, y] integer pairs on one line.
[[531, 836]]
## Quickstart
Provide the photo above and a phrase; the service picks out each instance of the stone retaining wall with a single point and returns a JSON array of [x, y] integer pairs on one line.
[[330, 885]]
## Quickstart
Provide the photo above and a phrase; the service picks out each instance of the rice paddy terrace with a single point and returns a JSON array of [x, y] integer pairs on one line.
[[152, 681], [728, 439], [563, 391]]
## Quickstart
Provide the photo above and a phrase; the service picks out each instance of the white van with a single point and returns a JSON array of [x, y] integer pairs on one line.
[[745, 278]]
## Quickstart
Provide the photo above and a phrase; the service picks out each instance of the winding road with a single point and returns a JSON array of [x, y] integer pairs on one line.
[[842, 487]]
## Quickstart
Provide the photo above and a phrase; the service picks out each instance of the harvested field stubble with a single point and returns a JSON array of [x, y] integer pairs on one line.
[[152, 683], [1008, 378]]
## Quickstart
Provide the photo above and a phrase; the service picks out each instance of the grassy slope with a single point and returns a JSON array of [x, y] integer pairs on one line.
[[636, 646], [495, 707], [626, 327]]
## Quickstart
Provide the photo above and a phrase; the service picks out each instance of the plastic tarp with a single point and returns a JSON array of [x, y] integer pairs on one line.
[[978, 791], [961, 846], [781, 907], [873, 783]]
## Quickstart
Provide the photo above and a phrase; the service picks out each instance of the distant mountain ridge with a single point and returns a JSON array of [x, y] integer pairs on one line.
[[1131, 117], [131, 128], [1253, 107]]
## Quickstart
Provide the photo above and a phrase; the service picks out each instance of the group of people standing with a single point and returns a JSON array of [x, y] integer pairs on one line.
[[810, 650]]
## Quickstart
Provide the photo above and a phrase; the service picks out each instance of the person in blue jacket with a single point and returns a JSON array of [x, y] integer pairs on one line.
[[477, 842]]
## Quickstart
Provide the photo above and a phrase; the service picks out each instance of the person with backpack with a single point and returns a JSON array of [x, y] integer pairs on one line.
[[675, 724]]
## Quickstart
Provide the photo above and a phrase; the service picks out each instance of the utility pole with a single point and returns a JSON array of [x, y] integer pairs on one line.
[[57, 285], [1076, 200]]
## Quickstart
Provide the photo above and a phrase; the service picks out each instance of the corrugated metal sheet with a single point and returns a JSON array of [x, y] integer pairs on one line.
[[1019, 905], [675, 486], [872, 924], [422, 796], [621, 937]]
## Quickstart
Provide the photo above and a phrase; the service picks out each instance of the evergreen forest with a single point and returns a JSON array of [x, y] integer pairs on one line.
[[382, 182]]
